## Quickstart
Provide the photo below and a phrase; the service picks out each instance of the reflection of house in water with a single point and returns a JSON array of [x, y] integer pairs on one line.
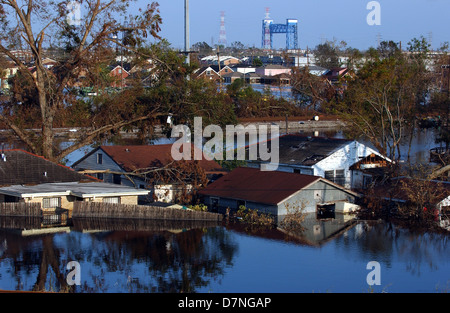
[[315, 232]]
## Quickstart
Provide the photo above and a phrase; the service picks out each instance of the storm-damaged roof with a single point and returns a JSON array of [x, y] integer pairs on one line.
[[306, 150]]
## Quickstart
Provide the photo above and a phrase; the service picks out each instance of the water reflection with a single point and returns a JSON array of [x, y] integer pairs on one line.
[[417, 250], [159, 256], [171, 260]]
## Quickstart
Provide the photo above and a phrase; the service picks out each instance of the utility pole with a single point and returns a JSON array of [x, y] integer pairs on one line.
[[218, 62], [187, 44]]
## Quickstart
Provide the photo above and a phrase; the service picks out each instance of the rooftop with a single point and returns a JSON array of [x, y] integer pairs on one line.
[[78, 189], [250, 184], [21, 167], [136, 157], [305, 150]]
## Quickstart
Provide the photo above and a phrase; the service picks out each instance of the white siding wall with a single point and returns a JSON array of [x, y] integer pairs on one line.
[[342, 159]]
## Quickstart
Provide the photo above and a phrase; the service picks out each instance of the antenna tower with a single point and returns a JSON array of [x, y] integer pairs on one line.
[[223, 33]]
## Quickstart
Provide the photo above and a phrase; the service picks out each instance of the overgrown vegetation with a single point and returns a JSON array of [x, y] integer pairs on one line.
[[253, 217], [292, 221]]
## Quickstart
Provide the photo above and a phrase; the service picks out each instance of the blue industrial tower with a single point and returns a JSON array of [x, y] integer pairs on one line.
[[269, 28]]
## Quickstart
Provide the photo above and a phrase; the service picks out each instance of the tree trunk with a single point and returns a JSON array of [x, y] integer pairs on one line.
[[47, 114]]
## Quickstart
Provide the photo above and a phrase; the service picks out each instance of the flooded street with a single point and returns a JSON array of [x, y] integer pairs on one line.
[[123, 257]]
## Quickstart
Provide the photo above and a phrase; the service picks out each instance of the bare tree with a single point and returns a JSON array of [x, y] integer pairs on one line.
[[34, 23]]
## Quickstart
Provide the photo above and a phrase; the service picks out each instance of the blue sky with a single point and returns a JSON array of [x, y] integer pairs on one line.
[[401, 20]]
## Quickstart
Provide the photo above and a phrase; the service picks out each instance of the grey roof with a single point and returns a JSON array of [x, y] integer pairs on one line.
[[307, 151], [21, 167], [78, 189]]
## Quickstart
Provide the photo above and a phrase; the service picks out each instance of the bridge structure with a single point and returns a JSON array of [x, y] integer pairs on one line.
[[269, 28]]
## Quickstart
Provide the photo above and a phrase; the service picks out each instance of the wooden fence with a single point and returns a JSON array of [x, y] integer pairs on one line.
[[134, 224], [113, 210], [20, 209]]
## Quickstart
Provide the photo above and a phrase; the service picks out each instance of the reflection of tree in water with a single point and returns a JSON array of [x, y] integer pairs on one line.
[[387, 243], [127, 261], [180, 262], [27, 253]]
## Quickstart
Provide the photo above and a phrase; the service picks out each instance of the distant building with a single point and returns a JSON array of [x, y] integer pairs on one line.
[[224, 60], [334, 74], [119, 74], [212, 72], [272, 70]]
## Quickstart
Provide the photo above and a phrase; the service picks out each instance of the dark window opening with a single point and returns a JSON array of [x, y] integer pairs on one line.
[[99, 158]]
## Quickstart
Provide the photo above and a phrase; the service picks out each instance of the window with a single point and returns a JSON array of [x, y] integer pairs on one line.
[[99, 158], [111, 200], [367, 180], [117, 179], [100, 176], [51, 203], [337, 176], [329, 175], [214, 202]]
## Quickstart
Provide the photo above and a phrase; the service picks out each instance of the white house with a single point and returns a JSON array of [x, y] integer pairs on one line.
[[348, 163]]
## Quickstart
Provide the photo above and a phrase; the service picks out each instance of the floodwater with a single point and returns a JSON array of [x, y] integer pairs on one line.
[[330, 255], [145, 257]]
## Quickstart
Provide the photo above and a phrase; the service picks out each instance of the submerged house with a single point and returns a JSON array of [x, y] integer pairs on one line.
[[26, 177], [54, 196], [114, 164], [348, 163], [276, 192]]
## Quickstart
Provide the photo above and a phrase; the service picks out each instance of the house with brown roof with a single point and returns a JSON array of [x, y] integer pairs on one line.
[[29, 178], [117, 164], [276, 193]]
